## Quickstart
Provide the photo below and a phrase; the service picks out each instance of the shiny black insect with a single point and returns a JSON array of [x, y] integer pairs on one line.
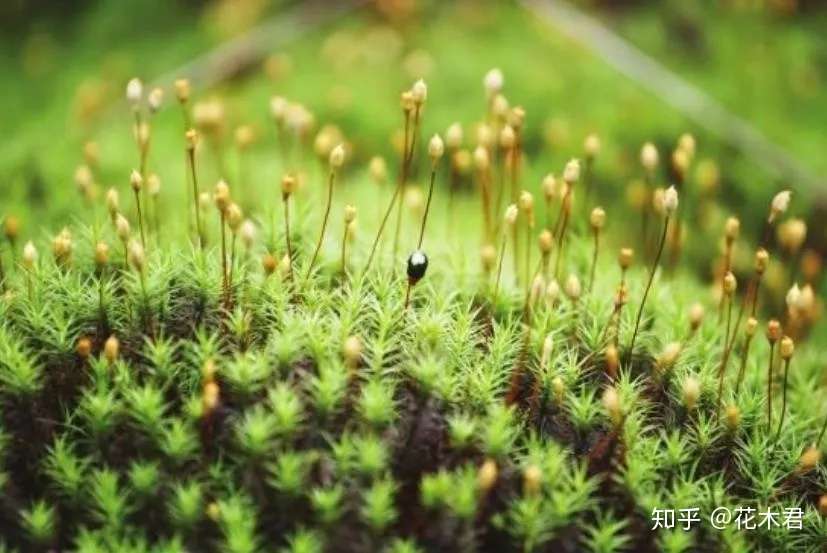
[[417, 265]]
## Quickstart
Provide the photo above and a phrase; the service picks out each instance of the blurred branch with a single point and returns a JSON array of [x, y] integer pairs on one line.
[[243, 52], [669, 87]]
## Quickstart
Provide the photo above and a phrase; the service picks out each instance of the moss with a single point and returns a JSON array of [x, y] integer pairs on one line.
[[202, 401]]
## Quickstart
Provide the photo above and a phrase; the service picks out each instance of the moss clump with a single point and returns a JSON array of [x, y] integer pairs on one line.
[[223, 397]]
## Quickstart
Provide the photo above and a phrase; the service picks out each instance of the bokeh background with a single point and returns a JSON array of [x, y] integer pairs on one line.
[[64, 66]]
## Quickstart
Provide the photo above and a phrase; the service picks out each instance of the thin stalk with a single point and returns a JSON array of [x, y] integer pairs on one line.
[[725, 358], [198, 228], [407, 295], [186, 115], [515, 253], [146, 313], [225, 283], [513, 160], [344, 253], [744, 359], [283, 145], [485, 197], [330, 182], [454, 179], [565, 213], [286, 200], [516, 156], [396, 192], [232, 260], [244, 265], [144, 158], [156, 218], [427, 206], [610, 323], [422, 229], [769, 386], [143, 290], [755, 285], [727, 266], [783, 399], [644, 220], [517, 371], [499, 269], [751, 291], [140, 217], [137, 130], [381, 228], [125, 256], [675, 244], [594, 258], [187, 178], [528, 281], [587, 183], [755, 295], [101, 276], [29, 284], [242, 180], [755, 282], [560, 214], [499, 164], [13, 252], [622, 290], [614, 321], [403, 182], [614, 318], [649, 285]]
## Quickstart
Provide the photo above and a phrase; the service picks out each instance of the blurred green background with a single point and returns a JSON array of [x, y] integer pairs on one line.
[[64, 69], [65, 65]]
